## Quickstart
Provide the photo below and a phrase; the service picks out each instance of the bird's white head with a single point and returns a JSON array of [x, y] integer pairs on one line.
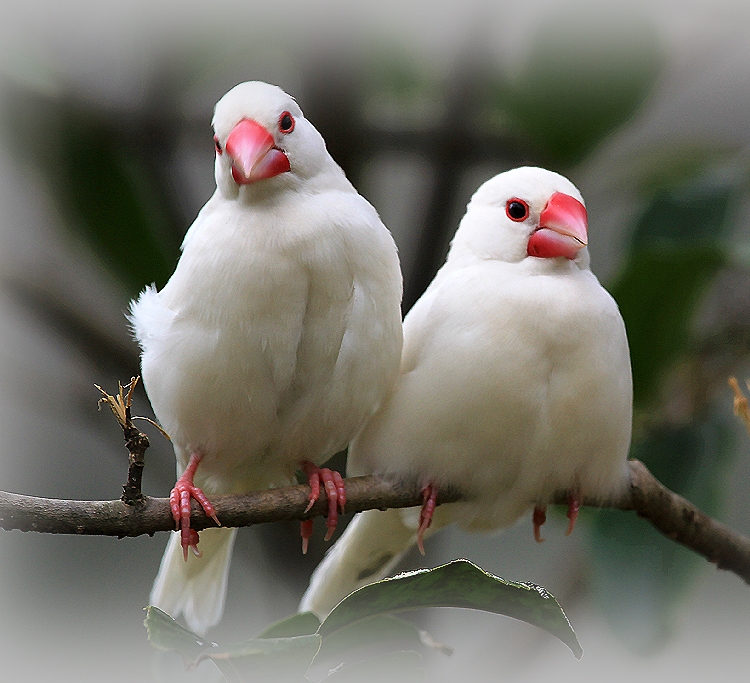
[[263, 141], [527, 212]]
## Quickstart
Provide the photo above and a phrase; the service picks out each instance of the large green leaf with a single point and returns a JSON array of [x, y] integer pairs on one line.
[[587, 72], [370, 633], [164, 633], [267, 660], [301, 624], [277, 660], [690, 214], [367, 640], [457, 584]]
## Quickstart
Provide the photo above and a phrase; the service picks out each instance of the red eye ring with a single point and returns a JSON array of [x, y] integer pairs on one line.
[[517, 209], [217, 145], [286, 123]]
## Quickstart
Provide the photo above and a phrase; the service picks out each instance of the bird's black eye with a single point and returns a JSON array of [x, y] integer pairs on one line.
[[286, 122], [517, 210], [217, 145]]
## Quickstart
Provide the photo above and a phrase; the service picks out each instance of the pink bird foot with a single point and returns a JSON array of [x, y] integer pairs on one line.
[[539, 518], [335, 492], [306, 531], [179, 502], [429, 498], [574, 504]]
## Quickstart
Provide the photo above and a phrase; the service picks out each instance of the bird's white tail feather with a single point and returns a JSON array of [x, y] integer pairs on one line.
[[196, 588], [368, 550]]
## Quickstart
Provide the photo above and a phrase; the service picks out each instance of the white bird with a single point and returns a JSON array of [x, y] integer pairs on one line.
[[274, 340], [515, 383]]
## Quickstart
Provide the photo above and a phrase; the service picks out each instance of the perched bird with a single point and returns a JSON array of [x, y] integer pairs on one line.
[[515, 383], [274, 340]]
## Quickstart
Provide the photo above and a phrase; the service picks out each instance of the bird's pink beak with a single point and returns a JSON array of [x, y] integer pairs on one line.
[[254, 153], [563, 228]]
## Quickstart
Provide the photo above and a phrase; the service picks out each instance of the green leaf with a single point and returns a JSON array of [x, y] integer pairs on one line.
[[588, 71], [369, 635], [302, 624], [369, 638], [457, 584], [393, 667], [164, 633], [276, 660]]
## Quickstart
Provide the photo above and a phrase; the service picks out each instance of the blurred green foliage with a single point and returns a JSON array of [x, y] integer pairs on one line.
[[639, 574], [360, 640], [101, 173], [112, 198], [587, 73], [675, 251]]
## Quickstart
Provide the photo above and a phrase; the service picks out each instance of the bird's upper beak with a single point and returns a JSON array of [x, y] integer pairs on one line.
[[563, 228], [254, 153]]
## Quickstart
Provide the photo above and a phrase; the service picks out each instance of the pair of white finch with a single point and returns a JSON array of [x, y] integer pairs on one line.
[[278, 341]]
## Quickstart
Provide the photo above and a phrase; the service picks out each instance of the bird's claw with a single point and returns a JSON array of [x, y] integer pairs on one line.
[[539, 518], [335, 493], [306, 531], [574, 504], [179, 502], [429, 502], [191, 543]]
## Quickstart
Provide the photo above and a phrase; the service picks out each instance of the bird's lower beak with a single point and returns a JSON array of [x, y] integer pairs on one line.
[[254, 153], [563, 228]]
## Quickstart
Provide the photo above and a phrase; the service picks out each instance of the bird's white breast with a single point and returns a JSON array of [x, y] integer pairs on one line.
[[275, 337], [515, 383]]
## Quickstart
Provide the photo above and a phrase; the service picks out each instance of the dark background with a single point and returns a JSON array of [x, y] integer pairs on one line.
[[106, 157]]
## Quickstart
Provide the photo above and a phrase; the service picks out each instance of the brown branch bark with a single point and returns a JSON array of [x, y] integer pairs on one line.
[[115, 518], [670, 513]]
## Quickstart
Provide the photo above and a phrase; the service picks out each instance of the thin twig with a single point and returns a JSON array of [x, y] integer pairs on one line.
[[135, 441], [670, 513]]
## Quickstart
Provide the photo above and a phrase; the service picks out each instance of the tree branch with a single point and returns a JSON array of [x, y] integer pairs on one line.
[[670, 513], [680, 520], [115, 518]]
